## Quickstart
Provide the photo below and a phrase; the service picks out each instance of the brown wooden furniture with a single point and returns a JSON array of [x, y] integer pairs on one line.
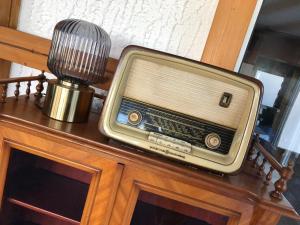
[[61, 173]]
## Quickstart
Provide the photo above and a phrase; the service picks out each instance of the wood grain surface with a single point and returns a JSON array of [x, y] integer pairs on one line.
[[9, 16], [120, 172], [105, 172], [227, 32], [22, 122]]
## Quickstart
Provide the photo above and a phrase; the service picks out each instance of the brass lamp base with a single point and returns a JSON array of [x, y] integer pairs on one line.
[[68, 102]]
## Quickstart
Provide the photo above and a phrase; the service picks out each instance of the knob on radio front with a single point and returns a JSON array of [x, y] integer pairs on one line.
[[212, 140], [134, 117]]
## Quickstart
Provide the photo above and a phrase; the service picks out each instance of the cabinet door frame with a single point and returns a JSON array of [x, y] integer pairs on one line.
[[135, 180], [106, 173]]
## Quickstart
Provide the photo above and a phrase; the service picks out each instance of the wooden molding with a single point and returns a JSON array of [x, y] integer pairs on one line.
[[227, 33], [9, 15], [133, 182], [105, 174], [14, 13], [25, 41], [5, 7]]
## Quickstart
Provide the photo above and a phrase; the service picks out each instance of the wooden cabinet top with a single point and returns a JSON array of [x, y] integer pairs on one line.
[[23, 114]]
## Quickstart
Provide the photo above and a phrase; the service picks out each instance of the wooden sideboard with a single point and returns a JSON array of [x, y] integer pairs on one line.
[[68, 173]]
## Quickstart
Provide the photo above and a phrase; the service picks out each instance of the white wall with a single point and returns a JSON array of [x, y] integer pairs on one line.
[[179, 27], [175, 26]]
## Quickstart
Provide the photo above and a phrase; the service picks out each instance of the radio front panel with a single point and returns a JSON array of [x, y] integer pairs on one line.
[[192, 132], [181, 109]]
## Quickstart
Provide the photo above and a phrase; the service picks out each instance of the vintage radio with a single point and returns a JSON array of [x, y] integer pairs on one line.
[[181, 109]]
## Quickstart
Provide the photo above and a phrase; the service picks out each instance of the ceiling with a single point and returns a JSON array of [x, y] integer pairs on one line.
[[281, 16]]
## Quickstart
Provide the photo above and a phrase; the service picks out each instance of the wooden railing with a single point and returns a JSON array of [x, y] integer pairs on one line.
[[259, 157], [18, 81], [27, 80]]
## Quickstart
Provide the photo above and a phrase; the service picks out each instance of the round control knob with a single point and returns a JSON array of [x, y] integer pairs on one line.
[[134, 117], [212, 141]]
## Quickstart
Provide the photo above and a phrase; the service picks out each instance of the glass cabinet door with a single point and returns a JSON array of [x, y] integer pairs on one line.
[[153, 209], [147, 197], [38, 190], [61, 185]]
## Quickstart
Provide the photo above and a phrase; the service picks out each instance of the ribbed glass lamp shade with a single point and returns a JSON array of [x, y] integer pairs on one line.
[[79, 51]]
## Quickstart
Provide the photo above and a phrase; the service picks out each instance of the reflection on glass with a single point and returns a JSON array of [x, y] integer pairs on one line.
[[156, 210], [273, 56], [279, 119], [272, 85]]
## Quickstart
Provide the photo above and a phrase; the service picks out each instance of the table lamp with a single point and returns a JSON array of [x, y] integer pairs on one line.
[[78, 56]]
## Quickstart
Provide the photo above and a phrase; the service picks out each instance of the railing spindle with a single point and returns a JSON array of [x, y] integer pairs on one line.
[[40, 86], [17, 91], [261, 168], [255, 161], [281, 184], [4, 93], [269, 176], [28, 89], [251, 150]]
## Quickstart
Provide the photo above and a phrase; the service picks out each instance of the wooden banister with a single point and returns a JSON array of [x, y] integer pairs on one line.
[[21, 79], [32, 51], [39, 87], [18, 80], [285, 172], [275, 164]]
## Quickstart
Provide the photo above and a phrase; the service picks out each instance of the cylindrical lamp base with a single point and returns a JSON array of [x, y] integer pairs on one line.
[[68, 102]]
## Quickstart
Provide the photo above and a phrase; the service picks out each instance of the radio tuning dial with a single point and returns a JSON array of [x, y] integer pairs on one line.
[[134, 117], [212, 141]]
